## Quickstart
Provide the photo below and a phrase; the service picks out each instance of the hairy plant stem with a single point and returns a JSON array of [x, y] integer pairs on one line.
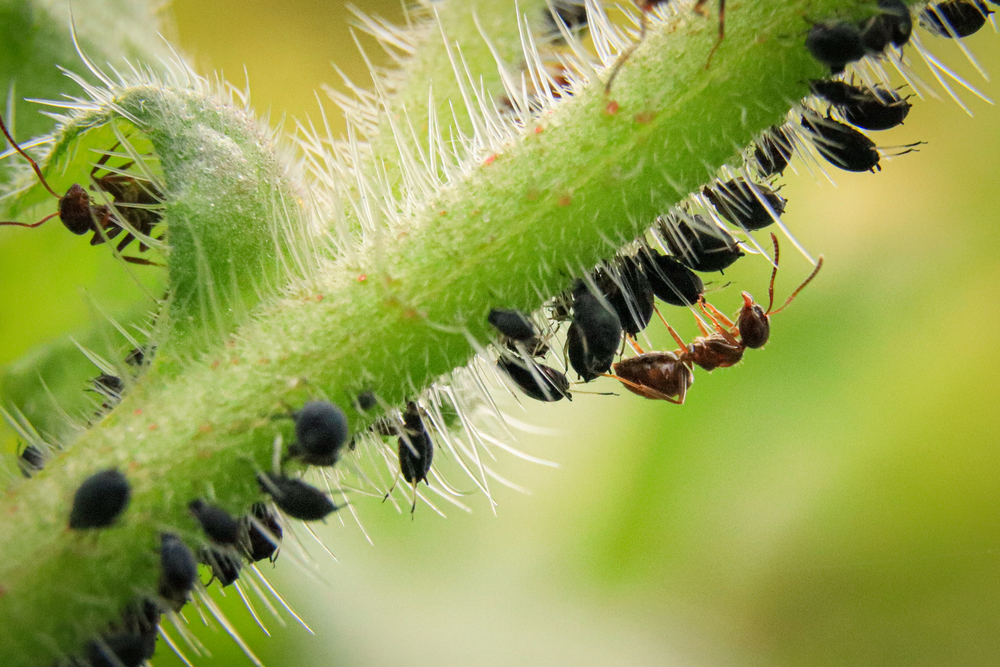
[[394, 316]]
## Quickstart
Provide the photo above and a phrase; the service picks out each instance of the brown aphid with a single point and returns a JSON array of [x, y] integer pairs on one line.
[[655, 375], [134, 201]]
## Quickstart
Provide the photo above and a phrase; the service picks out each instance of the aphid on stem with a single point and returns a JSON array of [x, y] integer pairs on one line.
[[134, 206]]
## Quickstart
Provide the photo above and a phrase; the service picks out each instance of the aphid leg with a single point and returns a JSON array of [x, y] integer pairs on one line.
[[819, 265], [722, 27], [648, 390], [143, 262], [413, 508], [392, 488]]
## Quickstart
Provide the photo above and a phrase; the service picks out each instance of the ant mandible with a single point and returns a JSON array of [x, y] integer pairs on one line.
[[668, 375], [646, 6], [80, 214]]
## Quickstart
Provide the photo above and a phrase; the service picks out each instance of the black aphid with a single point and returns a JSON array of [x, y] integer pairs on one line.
[[30, 461], [100, 500], [320, 432], [836, 44], [594, 336], [296, 498], [262, 545], [513, 324], [550, 385], [672, 282], [699, 244], [416, 450], [366, 401], [893, 25], [109, 385], [120, 650], [742, 203], [218, 524], [178, 569], [627, 289], [842, 145], [571, 12], [955, 18], [225, 566], [876, 109], [772, 152]]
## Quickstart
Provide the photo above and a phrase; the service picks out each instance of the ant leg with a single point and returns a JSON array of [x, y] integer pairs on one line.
[[34, 165], [716, 316], [142, 261], [30, 224], [634, 345], [649, 392], [104, 159]]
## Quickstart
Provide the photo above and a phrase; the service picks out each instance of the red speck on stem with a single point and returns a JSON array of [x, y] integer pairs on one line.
[[611, 109], [488, 161]]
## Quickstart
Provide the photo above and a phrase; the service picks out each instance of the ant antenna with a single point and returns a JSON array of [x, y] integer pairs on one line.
[[774, 274], [819, 265], [34, 165]]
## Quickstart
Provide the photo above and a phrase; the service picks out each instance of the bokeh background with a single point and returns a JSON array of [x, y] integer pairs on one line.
[[834, 500]]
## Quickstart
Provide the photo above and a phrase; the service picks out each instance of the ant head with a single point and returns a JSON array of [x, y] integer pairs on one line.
[[74, 210], [754, 324]]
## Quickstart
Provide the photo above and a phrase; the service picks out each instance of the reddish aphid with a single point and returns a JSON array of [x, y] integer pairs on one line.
[[134, 201]]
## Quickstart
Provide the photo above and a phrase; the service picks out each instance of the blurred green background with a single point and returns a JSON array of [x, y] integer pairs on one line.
[[833, 500]]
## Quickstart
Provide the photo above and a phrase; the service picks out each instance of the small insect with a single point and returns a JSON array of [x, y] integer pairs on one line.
[[746, 205], [120, 650], [225, 566], [655, 375], [416, 451], [835, 44], [627, 289], [296, 498], [538, 381], [320, 433], [142, 618], [671, 281], [513, 324], [842, 145], [263, 534], [135, 201], [100, 500], [772, 152], [178, 570], [593, 338], [955, 18], [875, 109], [365, 401], [218, 524], [893, 25], [699, 244], [571, 13], [30, 461]]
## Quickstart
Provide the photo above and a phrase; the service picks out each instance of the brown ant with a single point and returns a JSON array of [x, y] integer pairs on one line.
[[80, 214], [646, 6], [668, 375]]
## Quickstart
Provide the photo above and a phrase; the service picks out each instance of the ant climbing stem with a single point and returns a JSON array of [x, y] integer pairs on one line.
[[131, 210], [646, 6]]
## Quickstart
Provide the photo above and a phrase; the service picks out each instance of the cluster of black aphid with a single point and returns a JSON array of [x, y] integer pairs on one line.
[[321, 430]]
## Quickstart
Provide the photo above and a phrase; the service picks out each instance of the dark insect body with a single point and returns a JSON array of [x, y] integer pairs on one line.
[[626, 288], [772, 152], [746, 205], [572, 13], [841, 145], [540, 382], [135, 202], [225, 566], [121, 650], [30, 461], [513, 324], [655, 375], [671, 281], [893, 25], [593, 338], [178, 570], [320, 433], [415, 449], [955, 18], [366, 401], [700, 245], [262, 545], [876, 109], [218, 524], [100, 500], [296, 498], [836, 44]]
